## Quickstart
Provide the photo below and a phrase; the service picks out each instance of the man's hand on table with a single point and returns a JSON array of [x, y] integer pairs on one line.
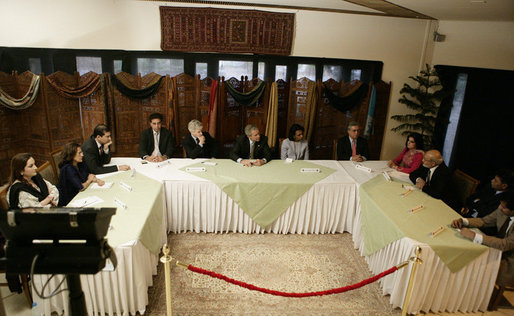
[[467, 233], [420, 183], [246, 163], [259, 162], [457, 223]]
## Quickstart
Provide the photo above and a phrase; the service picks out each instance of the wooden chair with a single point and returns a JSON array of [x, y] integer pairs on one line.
[[334, 149], [497, 296], [56, 160], [465, 185], [3, 197], [280, 141], [47, 172]]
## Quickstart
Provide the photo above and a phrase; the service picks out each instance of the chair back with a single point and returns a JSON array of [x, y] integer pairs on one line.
[[334, 149], [56, 160], [3, 197], [47, 172], [465, 185]]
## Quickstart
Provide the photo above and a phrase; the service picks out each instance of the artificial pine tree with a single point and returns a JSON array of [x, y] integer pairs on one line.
[[425, 100]]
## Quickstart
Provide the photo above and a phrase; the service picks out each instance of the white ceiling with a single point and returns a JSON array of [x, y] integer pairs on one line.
[[472, 10]]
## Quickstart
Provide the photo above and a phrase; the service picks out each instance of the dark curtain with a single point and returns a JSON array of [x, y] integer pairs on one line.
[[484, 140]]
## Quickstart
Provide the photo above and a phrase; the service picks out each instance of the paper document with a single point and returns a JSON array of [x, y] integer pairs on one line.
[[90, 200]]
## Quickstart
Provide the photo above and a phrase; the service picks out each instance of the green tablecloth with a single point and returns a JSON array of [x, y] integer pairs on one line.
[[142, 219], [385, 219], [264, 192]]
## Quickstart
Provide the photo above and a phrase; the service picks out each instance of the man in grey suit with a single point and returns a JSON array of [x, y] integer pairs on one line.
[[97, 152], [502, 219]]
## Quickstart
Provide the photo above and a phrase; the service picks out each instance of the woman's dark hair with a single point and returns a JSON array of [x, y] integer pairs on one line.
[[293, 129], [508, 198], [68, 153], [417, 138], [18, 163]]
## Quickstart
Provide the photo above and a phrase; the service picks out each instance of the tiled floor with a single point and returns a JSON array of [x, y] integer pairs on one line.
[[16, 304]]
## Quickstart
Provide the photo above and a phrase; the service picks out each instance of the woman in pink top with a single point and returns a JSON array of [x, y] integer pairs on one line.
[[412, 155]]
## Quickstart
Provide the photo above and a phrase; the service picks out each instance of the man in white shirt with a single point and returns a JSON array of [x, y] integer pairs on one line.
[[157, 142], [502, 219]]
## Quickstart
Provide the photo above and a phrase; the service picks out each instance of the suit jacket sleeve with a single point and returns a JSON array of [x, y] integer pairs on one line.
[[193, 150], [284, 149], [438, 183], [265, 150], [93, 160], [363, 148], [342, 151], [235, 153], [212, 145], [496, 218], [421, 172], [143, 144], [167, 146]]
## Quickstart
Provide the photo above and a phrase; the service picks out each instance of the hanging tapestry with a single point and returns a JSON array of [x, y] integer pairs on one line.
[[136, 93], [88, 83], [349, 99], [226, 31], [247, 98], [25, 101]]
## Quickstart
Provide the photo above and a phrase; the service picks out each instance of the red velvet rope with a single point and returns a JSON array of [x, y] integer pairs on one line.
[[286, 294]]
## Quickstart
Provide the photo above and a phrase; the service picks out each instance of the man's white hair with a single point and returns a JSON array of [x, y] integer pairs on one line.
[[194, 125]]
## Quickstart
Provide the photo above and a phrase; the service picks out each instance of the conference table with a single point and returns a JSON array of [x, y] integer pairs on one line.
[[203, 195]]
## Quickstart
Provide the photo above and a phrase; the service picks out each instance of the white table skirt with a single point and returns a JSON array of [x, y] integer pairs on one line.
[[120, 292], [435, 288]]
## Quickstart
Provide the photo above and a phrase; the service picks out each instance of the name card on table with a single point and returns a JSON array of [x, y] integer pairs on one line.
[[209, 163], [363, 168], [195, 169], [163, 163], [386, 176], [288, 160], [120, 203], [309, 170], [132, 172], [125, 186], [417, 208], [407, 192], [436, 232]]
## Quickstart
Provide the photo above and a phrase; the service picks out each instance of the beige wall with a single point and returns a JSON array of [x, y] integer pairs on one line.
[[134, 25]]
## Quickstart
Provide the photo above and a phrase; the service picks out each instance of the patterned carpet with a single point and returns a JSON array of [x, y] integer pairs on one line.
[[292, 263]]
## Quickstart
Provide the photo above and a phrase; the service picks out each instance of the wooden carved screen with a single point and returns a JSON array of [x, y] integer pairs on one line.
[[94, 110], [131, 115], [203, 106], [12, 129], [328, 124], [185, 105], [64, 118], [229, 122], [283, 98], [297, 102]]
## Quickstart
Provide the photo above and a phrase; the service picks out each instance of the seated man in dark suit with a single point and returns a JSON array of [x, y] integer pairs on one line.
[[485, 201], [502, 219], [199, 144], [97, 153], [156, 142], [435, 179], [352, 147], [252, 146]]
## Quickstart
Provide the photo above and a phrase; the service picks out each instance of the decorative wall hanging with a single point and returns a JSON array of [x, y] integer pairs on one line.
[[226, 31]]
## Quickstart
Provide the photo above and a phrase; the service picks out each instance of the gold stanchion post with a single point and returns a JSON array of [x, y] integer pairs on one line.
[[415, 261], [166, 260]]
